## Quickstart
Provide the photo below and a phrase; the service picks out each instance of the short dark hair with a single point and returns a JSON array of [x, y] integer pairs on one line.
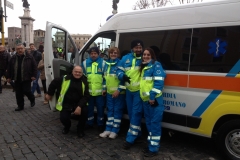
[[13, 49], [31, 44]]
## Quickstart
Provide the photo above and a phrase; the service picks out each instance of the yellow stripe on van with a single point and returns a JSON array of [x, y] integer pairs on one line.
[[226, 103]]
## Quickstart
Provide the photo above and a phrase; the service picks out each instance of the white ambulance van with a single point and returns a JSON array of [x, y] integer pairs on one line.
[[199, 47]]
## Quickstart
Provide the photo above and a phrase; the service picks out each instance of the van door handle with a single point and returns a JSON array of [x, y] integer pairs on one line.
[[49, 67]]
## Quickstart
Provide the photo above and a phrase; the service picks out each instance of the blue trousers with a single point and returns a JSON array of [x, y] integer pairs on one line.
[[99, 102], [153, 117], [36, 85], [115, 112], [135, 112]]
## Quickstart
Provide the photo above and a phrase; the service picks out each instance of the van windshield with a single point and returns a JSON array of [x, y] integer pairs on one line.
[[103, 41]]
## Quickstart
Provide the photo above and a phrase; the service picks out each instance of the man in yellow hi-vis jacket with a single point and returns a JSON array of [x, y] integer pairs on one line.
[[73, 95]]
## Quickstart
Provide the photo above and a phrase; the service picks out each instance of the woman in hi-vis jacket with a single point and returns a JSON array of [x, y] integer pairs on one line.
[[151, 86], [114, 89]]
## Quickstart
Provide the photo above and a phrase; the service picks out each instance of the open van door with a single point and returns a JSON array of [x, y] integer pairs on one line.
[[59, 55]]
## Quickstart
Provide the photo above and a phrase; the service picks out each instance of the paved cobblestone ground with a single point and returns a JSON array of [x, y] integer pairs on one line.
[[35, 133]]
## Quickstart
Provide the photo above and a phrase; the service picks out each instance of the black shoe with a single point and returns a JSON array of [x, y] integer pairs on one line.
[[126, 145], [33, 104], [145, 150], [101, 129], [81, 134], [150, 154], [65, 131], [88, 126], [19, 109]]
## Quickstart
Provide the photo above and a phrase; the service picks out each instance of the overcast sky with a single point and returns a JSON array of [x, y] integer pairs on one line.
[[77, 16]]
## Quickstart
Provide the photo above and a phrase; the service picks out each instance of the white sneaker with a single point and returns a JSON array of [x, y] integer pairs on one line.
[[105, 134], [112, 135]]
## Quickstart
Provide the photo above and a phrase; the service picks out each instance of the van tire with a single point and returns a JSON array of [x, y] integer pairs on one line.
[[228, 139]]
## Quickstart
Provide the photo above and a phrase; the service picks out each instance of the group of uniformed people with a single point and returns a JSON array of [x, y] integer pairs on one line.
[[137, 74]]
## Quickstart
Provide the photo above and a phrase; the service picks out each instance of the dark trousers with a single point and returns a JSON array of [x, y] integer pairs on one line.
[[44, 86], [65, 117], [21, 89], [2, 73]]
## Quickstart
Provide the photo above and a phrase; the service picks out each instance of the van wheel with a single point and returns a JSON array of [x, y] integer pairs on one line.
[[228, 139]]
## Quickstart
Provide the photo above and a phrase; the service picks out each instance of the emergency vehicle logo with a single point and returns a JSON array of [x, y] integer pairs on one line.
[[217, 47], [127, 61]]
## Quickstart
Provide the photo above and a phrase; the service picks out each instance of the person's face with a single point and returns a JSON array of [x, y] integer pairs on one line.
[[113, 55], [77, 72], [2, 49], [20, 50], [32, 48], [137, 49], [93, 55], [146, 56]]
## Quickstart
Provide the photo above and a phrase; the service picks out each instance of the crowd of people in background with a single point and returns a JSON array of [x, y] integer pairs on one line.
[[136, 80]]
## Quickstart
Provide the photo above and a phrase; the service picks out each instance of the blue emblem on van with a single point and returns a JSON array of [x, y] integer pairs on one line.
[[217, 47]]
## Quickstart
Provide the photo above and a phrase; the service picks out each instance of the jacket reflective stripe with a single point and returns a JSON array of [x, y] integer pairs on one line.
[[98, 90], [156, 90], [122, 87], [153, 78]]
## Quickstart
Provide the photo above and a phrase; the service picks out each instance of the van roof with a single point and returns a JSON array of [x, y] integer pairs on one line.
[[181, 16]]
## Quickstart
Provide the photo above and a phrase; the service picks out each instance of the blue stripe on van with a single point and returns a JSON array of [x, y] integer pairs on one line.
[[234, 71], [205, 104], [213, 95]]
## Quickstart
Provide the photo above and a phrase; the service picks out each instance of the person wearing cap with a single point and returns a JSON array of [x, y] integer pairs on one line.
[[93, 69], [115, 93], [128, 71]]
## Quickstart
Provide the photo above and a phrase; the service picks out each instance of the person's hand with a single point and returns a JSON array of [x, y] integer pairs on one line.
[[33, 78], [151, 102], [8, 80], [104, 92], [115, 94], [77, 111], [126, 78], [48, 97]]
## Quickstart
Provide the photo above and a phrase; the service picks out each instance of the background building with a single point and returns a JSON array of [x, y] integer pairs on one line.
[[14, 37], [38, 37]]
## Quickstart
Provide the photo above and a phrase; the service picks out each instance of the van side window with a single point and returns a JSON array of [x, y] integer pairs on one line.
[[216, 52], [170, 50], [103, 41]]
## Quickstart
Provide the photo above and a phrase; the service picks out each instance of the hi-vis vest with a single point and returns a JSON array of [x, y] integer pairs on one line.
[[146, 85], [112, 81], [65, 86], [134, 74], [94, 80]]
